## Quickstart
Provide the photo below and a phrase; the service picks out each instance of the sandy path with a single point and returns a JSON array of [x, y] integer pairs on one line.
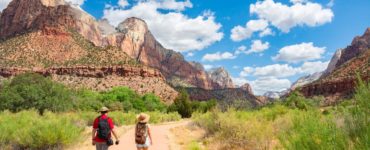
[[160, 135]]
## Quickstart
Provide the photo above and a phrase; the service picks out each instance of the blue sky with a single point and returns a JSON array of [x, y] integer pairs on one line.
[[300, 36]]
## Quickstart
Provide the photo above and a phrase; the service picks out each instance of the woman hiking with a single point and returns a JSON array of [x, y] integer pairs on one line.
[[143, 136]]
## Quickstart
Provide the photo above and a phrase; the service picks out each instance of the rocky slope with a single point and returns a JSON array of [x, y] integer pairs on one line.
[[225, 95], [306, 80], [132, 36], [341, 82], [221, 77], [53, 38]]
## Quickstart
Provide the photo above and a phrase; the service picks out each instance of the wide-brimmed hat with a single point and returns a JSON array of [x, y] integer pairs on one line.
[[143, 118], [104, 109]]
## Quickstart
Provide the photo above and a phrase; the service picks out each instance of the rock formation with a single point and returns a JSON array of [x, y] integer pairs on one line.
[[306, 80], [222, 78], [340, 81], [132, 36]]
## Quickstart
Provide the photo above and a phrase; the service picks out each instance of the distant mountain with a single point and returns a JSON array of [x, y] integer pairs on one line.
[[275, 95], [340, 81], [221, 77]]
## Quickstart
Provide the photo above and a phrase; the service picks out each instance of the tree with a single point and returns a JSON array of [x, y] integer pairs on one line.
[[182, 105], [31, 90]]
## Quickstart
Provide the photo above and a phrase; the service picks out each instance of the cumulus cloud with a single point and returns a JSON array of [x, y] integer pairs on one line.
[[123, 3], [258, 46], [276, 70], [240, 33], [299, 52], [4, 4], [239, 81], [208, 67], [263, 85], [246, 71], [171, 27], [313, 67], [218, 56], [285, 17], [190, 54]]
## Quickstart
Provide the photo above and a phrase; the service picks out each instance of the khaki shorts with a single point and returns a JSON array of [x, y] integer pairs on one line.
[[101, 146]]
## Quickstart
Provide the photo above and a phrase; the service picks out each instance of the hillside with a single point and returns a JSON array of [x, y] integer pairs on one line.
[[340, 81]]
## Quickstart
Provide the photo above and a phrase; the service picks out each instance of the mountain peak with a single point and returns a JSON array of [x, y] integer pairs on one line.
[[133, 24], [222, 77]]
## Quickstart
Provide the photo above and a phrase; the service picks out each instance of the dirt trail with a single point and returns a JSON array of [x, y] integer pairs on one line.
[[160, 135], [162, 138]]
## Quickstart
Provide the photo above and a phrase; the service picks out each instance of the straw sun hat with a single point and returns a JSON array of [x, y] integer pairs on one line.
[[104, 109], [143, 118]]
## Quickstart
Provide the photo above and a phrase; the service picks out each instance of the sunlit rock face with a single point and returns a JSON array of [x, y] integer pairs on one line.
[[221, 77], [339, 80]]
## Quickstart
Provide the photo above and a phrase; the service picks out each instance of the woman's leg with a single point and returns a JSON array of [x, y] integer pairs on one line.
[[145, 148]]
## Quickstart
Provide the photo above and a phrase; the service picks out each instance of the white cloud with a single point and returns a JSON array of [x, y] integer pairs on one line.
[[285, 17], [330, 4], [240, 49], [313, 67], [4, 4], [257, 47], [76, 2], [172, 28], [123, 3], [298, 1], [299, 52], [263, 85], [190, 54], [240, 33], [275, 70], [218, 56], [266, 32], [239, 81], [246, 71], [208, 67]]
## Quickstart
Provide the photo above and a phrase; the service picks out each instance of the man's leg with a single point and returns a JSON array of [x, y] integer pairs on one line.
[[101, 146]]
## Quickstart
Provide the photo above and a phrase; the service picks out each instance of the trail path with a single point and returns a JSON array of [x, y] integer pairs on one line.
[[162, 138]]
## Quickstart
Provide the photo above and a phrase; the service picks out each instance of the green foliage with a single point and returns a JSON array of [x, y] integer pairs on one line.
[[357, 121], [33, 91], [297, 123], [311, 130], [29, 90], [123, 98], [185, 107], [296, 100], [29, 130], [182, 105]]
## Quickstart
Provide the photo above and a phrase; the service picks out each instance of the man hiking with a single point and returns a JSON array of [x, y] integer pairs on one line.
[[102, 128]]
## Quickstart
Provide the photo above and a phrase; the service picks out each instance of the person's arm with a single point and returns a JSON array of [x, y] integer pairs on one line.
[[150, 136], [93, 136], [115, 134]]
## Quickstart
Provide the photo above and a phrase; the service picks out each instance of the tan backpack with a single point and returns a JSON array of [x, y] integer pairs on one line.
[[141, 133]]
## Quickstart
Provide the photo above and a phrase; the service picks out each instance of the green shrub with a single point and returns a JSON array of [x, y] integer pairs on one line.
[[182, 105], [28, 130], [30, 90], [311, 130], [357, 121]]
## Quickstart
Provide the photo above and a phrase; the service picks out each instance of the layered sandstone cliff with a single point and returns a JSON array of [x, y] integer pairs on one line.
[[340, 81], [141, 79]]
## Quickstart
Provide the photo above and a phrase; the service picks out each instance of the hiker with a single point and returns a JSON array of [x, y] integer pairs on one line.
[[103, 127], [143, 137]]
